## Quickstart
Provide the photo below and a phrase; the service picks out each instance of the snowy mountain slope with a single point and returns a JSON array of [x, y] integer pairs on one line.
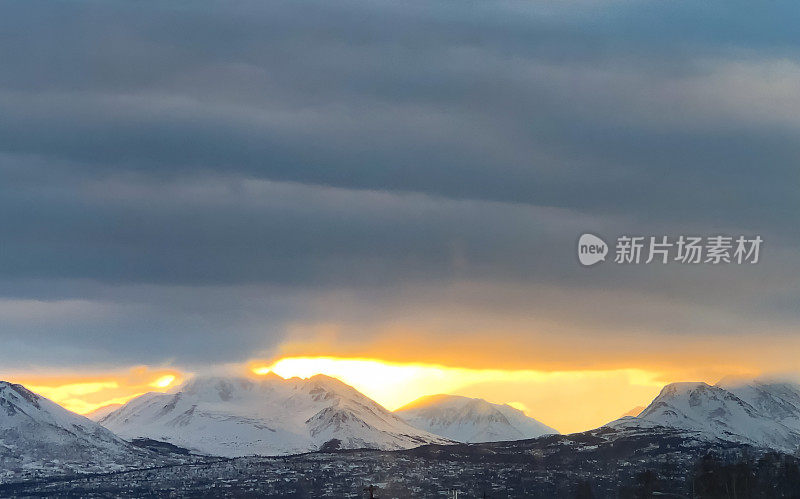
[[266, 416], [778, 400], [718, 412], [101, 412], [39, 436], [471, 420]]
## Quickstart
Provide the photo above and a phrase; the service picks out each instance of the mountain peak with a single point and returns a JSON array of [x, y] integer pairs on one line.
[[467, 419], [323, 380], [271, 375], [685, 386], [214, 387], [757, 414], [7, 388]]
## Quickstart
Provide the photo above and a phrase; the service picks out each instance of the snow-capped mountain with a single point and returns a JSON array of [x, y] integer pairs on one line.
[[764, 417], [265, 416], [469, 420], [38, 435]]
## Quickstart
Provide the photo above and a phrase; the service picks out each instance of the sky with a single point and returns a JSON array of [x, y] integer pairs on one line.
[[195, 186]]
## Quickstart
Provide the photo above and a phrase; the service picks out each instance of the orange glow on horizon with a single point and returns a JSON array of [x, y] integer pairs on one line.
[[88, 392], [566, 400]]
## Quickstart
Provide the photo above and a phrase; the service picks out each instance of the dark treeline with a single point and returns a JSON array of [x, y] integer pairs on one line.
[[768, 476]]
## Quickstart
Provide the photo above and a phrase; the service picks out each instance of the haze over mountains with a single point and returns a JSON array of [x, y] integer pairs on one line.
[[471, 420]]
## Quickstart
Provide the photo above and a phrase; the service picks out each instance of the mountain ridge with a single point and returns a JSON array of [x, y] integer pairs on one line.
[[757, 416], [237, 416]]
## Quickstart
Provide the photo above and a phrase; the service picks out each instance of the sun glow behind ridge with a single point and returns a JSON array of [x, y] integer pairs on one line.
[[163, 381], [567, 400]]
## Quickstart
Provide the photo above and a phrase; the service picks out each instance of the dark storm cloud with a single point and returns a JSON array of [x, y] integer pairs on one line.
[[302, 147], [548, 105]]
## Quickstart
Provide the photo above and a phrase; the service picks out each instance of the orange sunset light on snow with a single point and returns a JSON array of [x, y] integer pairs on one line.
[[567, 400]]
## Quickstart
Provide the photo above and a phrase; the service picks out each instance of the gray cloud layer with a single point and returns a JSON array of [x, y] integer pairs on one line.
[[190, 177]]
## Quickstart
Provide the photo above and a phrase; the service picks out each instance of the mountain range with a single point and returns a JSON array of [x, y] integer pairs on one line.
[[268, 416]]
